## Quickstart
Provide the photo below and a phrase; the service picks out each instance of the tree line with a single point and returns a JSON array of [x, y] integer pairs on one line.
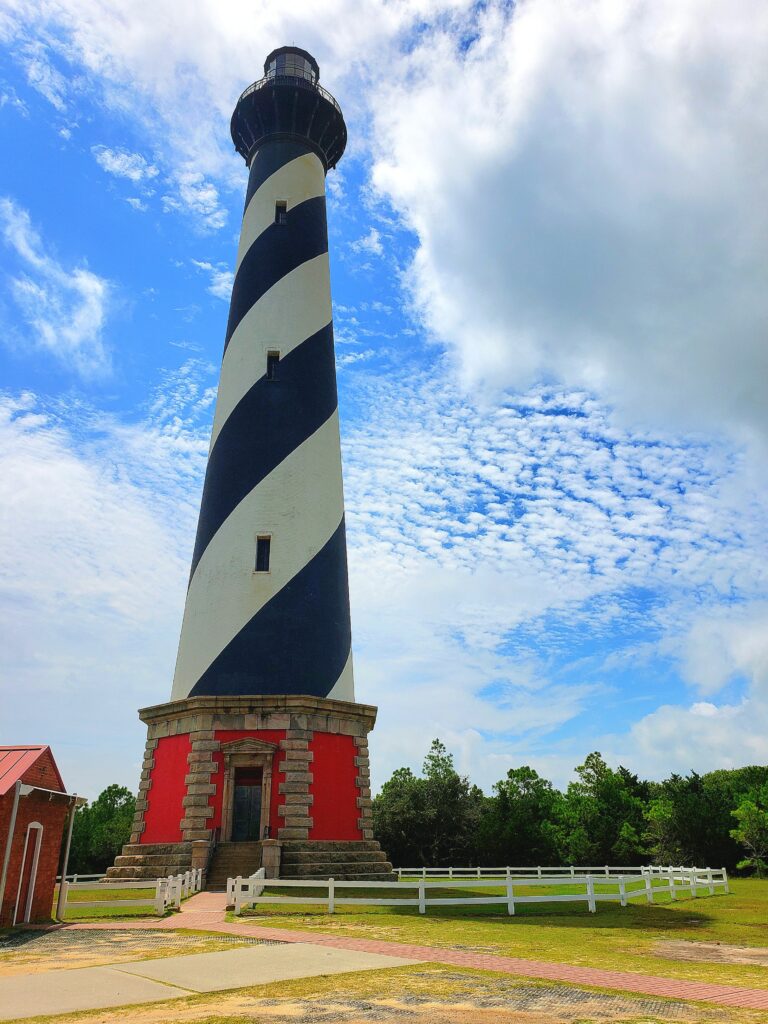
[[605, 816]]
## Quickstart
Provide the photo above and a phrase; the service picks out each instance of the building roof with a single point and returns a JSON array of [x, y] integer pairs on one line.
[[17, 760]]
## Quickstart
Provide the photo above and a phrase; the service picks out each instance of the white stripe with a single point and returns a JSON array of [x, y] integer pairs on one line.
[[300, 503], [344, 687], [299, 179], [291, 311]]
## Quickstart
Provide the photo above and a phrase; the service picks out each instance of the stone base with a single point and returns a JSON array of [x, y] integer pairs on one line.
[[150, 861], [311, 755], [345, 861]]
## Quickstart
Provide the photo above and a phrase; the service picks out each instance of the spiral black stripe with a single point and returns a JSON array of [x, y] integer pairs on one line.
[[287, 631], [269, 159], [275, 253], [272, 419], [299, 642]]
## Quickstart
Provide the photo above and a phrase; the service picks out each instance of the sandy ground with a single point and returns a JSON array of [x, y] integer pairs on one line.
[[32, 952], [713, 952], [424, 994]]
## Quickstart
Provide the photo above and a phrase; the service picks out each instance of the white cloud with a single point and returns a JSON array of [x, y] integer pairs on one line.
[[97, 528], [585, 181], [197, 197], [370, 243], [124, 164], [42, 75], [136, 203], [221, 278], [64, 308]]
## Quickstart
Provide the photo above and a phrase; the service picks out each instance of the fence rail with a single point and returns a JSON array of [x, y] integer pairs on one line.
[[606, 870], [169, 892], [646, 883]]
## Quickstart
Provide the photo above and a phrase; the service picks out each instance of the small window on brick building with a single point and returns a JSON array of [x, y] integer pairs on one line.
[[281, 212], [262, 553], [273, 358]]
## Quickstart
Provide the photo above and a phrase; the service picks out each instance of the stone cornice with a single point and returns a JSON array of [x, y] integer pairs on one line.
[[262, 704]]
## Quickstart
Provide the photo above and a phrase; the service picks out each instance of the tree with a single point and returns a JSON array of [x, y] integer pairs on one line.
[[430, 820], [101, 829], [752, 830], [517, 826], [600, 818]]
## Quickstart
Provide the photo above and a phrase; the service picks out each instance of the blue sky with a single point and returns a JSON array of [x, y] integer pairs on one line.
[[548, 252]]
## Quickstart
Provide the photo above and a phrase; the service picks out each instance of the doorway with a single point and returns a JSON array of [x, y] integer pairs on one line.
[[28, 874], [246, 805]]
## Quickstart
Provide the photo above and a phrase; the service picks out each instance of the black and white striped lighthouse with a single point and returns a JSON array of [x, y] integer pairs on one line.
[[262, 752], [267, 609]]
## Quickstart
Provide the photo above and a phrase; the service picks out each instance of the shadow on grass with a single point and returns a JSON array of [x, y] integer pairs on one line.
[[660, 917]]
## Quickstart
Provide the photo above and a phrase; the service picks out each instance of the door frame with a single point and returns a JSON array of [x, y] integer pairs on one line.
[[38, 828], [246, 753]]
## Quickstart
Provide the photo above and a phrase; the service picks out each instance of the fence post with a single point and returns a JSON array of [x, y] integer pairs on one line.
[[238, 884], [64, 895], [331, 897], [424, 872], [607, 872], [573, 871], [710, 882], [538, 872], [591, 894], [160, 897], [478, 872], [672, 889], [422, 903], [692, 882], [648, 885], [74, 879], [450, 872], [725, 879], [510, 896], [622, 891]]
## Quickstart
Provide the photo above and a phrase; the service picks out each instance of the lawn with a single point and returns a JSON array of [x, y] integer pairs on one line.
[[619, 938], [104, 894]]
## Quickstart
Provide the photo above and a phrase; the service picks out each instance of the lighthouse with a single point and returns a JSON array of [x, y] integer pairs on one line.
[[260, 758]]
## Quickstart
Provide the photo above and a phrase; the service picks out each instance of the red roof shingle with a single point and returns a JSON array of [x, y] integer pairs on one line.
[[16, 760]]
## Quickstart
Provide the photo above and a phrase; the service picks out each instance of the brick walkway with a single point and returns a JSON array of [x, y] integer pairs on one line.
[[206, 911]]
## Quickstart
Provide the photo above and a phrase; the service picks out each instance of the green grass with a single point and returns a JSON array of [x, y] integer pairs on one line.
[[104, 894], [108, 894], [620, 938]]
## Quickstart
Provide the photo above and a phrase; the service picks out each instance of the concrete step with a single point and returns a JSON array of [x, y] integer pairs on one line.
[[308, 845], [334, 869], [331, 856], [376, 876]]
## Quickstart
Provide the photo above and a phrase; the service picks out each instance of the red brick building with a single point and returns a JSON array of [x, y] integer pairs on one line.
[[33, 813]]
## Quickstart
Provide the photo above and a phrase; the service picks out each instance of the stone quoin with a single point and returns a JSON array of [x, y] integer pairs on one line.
[[261, 755]]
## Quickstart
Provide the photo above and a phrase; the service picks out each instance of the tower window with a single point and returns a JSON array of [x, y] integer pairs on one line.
[[281, 213], [273, 358], [262, 553]]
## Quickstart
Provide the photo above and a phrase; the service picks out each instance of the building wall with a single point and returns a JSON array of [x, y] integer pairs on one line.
[[334, 788], [166, 794], [52, 816]]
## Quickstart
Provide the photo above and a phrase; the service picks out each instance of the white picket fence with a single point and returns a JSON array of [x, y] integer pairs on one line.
[[644, 883], [169, 892], [606, 870]]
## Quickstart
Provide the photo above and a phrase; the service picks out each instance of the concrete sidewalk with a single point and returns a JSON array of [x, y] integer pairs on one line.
[[146, 981], [207, 911]]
